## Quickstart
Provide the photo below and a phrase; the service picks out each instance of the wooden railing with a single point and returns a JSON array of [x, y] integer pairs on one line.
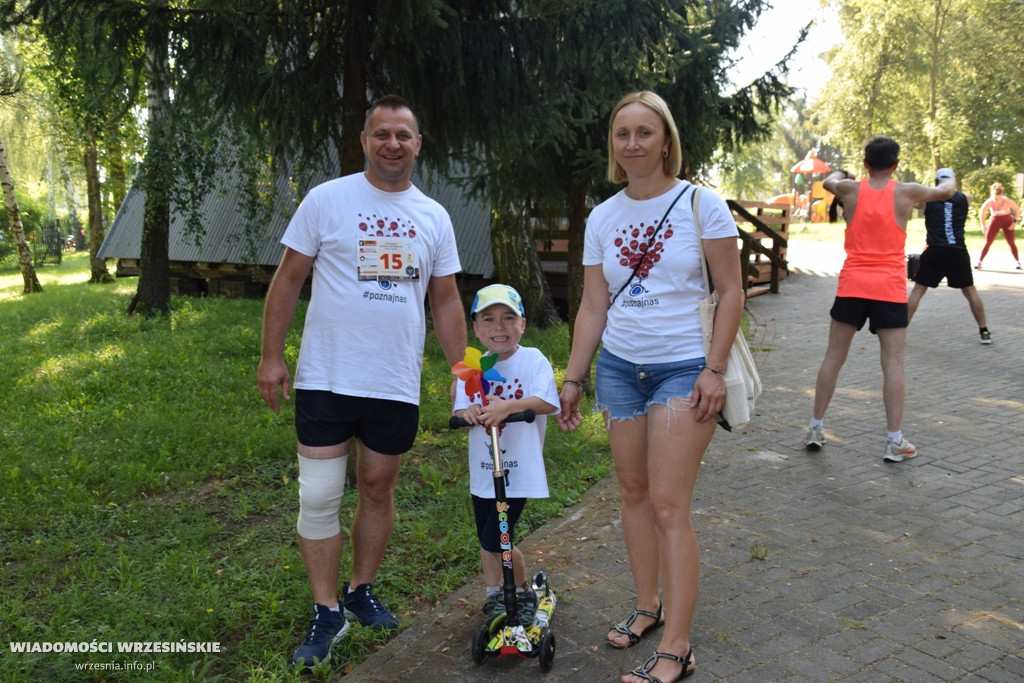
[[764, 234], [765, 263]]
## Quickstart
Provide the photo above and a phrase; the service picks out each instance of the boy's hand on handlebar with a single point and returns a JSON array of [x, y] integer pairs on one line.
[[495, 412], [471, 414]]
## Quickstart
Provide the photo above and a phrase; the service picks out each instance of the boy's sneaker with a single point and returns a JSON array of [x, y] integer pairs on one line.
[[986, 337], [325, 629], [898, 452], [494, 610], [815, 438], [363, 605], [527, 606]]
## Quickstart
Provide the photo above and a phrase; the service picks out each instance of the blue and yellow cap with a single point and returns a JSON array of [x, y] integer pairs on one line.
[[498, 294]]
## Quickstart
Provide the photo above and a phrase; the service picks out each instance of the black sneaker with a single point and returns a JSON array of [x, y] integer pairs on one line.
[[363, 605], [986, 337], [527, 606], [494, 610], [325, 629]]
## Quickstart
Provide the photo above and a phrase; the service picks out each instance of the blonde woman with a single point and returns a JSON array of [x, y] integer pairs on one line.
[[1003, 213], [657, 391]]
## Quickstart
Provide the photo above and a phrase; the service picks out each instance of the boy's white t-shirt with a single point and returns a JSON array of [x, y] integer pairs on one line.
[[656, 318], [527, 373], [365, 337]]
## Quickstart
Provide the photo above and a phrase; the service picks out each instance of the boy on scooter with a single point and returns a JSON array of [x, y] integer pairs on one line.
[[499, 323]]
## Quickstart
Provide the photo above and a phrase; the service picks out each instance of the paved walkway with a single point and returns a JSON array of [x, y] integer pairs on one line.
[[831, 566]]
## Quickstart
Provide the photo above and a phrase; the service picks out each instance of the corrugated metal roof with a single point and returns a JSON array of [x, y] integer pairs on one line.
[[471, 219], [223, 215]]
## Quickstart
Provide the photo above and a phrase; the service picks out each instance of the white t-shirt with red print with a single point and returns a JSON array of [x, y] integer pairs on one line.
[[365, 337], [655, 319], [527, 373]]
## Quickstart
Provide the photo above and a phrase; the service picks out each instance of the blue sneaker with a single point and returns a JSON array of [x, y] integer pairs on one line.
[[363, 605], [325, 629]]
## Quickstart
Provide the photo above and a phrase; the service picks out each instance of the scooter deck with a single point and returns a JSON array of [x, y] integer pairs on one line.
[[525, 641]]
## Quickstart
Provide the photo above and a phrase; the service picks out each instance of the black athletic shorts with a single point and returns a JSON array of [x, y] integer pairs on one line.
[[489, 528], [951, 263], [323, 418], [883, 314]]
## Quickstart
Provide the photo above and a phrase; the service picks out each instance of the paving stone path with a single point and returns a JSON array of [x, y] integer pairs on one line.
[[831, 566]]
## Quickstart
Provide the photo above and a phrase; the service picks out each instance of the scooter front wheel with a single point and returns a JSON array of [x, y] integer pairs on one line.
[[480, 641]]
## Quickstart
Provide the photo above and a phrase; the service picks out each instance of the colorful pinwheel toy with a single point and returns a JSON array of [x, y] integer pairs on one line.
[[477, 371]]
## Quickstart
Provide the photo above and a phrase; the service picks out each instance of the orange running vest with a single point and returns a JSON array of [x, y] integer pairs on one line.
[[876, 265]]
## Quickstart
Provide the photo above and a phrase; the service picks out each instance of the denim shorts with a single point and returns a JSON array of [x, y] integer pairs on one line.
[[626, 390]]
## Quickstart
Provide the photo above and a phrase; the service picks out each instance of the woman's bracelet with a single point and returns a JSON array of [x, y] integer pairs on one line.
[[572, 381], [720, 370]]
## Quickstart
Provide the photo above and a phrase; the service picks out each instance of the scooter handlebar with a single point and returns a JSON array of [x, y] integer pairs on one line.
[[523, 416]]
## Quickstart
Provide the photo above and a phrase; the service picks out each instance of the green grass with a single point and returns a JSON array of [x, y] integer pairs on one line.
[[148, 495], [833, 232]]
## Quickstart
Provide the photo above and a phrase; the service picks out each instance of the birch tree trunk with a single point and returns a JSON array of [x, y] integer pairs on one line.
[[28, 271], [69, 193]]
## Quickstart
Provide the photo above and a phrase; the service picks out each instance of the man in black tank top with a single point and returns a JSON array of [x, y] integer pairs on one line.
[[946, 257]]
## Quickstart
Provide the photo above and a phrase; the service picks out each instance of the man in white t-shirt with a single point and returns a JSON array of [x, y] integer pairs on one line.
[[377, 246]]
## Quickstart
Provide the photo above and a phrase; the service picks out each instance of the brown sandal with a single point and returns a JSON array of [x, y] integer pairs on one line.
[[644, 671], [635, 638]]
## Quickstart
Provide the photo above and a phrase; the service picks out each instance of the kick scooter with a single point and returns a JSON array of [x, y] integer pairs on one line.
[[505, 636]]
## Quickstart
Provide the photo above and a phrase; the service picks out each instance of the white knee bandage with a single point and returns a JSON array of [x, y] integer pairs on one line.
[[321, 483]]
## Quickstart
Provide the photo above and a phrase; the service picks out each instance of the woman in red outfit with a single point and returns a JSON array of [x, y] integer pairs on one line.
[[1003, 215]]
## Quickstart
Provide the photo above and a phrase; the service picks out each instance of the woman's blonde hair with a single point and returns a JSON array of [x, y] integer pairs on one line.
[[997, 188], [672, 164]]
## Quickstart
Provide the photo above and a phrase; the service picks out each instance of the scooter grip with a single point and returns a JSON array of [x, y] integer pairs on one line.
[[457, 422], [523, 416]]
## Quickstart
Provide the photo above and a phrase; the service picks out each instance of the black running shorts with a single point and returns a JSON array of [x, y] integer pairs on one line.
[[883, 314], [951, 263], [323, 418], [489, 527]]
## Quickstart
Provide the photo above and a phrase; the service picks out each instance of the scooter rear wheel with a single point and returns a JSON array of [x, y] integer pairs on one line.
[[547, 650], [540, 582]]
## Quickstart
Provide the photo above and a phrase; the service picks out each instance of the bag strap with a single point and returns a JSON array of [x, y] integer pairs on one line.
[[650, 243], [695, 203]]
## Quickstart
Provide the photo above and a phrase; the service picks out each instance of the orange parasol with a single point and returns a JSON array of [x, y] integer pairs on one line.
[[810, 165]]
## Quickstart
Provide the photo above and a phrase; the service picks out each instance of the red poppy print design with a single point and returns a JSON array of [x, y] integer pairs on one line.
[[634, 245], [512, 391], [382, 226]]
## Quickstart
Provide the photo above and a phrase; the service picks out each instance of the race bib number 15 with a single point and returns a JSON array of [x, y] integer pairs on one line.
[[387, 259]]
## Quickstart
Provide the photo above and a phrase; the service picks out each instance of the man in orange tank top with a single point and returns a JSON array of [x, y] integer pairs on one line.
[[873, 282]]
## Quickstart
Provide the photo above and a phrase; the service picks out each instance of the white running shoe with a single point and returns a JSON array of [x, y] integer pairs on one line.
[[815, 438], [898, 452]]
